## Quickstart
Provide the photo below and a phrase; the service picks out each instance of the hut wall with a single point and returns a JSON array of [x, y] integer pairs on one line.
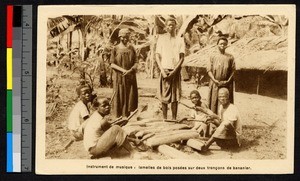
[[271, 83]]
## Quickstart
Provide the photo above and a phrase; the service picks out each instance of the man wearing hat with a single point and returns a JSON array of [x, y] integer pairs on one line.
[[169, 56]]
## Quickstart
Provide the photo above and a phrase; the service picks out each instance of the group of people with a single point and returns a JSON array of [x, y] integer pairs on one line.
[[100, 135], [219, 120]]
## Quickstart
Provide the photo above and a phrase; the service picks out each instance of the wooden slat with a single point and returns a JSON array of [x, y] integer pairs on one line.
[[173, 153], [156, 128], [197, 143], [171, 138], [174, 132], [161, 130]]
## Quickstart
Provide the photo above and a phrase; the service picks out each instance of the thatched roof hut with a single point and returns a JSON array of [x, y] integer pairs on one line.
[[261, 64], [267, 53]]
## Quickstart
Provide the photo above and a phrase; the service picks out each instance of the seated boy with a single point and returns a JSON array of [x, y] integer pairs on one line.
[[201, 114], [100, 137], [80, 113]]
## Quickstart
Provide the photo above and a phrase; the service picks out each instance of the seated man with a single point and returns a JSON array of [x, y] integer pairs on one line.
[[102, 138], [229, 128], [80, 112]]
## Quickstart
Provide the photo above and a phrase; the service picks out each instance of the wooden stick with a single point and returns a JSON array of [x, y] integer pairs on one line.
[[163, 129], [159, 124], [117, 120], [150, 120], [112, 98], [164, 133], [197, 144], [147, 136], [198, 108], [132, 114], [129, 117], [69, 144], [118, 68], [138, 128], [159, 140], [173, 153], [147, 95]]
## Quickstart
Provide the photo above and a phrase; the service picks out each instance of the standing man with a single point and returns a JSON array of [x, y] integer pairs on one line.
[[169, 56], [220, 69]]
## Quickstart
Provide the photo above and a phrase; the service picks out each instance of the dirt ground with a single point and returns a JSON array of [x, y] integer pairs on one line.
[[263, 118]]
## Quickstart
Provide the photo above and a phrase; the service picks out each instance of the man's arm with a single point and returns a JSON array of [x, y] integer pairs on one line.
[[178, 66], [181, 57], [158, 60], [232, 73], [135, 65], [118, 68], [211, 76], [105, 124], [231, 76], [222, 83]]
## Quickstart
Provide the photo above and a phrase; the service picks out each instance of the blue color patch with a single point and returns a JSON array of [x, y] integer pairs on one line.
[[9, 152]]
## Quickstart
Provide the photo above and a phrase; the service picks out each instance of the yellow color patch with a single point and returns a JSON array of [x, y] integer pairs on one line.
[[9, 68]]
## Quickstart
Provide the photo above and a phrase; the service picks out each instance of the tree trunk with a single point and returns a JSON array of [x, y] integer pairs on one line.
[[82, 42], [69, 46], [152, 57]]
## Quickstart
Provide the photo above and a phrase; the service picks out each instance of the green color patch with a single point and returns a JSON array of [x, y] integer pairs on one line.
[[9, 110]]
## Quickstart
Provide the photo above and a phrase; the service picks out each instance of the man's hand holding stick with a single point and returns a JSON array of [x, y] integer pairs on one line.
[[211, 116], [122, 122]]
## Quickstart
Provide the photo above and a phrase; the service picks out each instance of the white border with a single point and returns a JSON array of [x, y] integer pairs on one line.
[[55, 166]]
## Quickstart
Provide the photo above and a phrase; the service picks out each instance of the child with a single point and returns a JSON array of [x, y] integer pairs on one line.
[[80, 113], [101, 137], [201, 119]]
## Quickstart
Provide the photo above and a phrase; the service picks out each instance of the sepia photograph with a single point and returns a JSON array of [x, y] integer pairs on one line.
[[193, 89]]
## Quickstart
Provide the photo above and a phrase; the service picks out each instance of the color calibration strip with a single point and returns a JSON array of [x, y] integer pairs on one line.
[[16, 50], [9, 87]]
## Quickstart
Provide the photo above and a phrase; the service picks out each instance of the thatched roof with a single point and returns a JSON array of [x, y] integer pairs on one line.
[[267, 53]]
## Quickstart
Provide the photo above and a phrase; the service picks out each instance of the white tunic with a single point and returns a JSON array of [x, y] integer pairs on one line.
[[169, 49], [76, 116]]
